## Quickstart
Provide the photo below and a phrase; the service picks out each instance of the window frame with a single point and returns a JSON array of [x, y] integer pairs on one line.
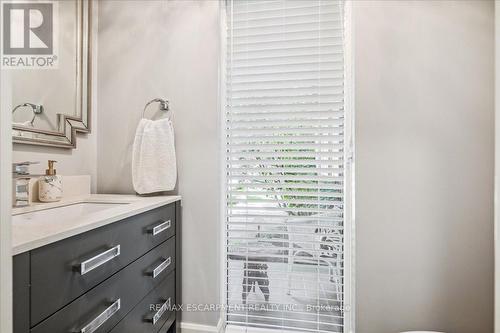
[[349, 155]]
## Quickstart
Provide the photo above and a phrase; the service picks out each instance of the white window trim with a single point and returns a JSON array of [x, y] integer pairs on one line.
[[223, 175], [349, 270]]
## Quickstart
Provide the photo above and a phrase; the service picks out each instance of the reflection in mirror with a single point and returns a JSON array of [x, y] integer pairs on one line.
[[24, 119], [51, 104]]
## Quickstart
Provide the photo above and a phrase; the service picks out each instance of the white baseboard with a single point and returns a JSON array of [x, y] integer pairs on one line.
[[220, 326], [192, 327]]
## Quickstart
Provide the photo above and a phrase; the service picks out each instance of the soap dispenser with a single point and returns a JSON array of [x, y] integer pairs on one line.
[[50, 185]]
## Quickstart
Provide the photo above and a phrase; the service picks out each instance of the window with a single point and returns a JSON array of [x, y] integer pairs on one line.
[[287, 169]]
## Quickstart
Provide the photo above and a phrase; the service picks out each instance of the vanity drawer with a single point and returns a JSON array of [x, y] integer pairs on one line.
[[157, 303], [109, 302], [62, 271]]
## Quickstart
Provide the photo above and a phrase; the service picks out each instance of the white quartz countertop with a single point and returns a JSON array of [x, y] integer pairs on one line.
[[29, 234]]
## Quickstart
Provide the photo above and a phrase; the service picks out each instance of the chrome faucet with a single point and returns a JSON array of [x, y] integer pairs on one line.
[[21, 183]]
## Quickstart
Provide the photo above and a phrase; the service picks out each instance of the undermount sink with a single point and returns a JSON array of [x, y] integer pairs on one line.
[[67, 212]]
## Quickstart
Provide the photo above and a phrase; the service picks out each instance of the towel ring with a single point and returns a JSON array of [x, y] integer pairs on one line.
[[164, 105], [35, 108]]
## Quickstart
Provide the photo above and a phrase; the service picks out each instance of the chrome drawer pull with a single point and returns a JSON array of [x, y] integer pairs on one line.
[[161, 311], [102, 318], [99, 260], [161, 267], [161, 227]]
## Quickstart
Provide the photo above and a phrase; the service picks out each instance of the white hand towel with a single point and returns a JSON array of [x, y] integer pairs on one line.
[[154, 166]]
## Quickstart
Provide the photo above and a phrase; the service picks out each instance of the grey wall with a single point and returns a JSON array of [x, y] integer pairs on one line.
[[425, 135], [168, 49], [71, 162]]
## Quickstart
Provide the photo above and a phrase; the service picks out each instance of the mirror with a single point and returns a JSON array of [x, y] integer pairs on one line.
[[52, 104]]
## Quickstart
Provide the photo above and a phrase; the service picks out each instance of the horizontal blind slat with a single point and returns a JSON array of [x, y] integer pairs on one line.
[[266, 22], [296, 88], [232, 217], [285, 123], [333, 55], [298, 67], [290, 9], [285, 51], [277, 147], [311, 30], [303, 39], [297, 194]]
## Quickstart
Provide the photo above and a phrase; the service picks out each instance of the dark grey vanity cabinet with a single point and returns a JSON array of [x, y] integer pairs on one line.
[[118, 278]]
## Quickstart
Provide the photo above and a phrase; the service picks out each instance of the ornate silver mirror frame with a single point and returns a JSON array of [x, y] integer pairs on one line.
[[80, 122]]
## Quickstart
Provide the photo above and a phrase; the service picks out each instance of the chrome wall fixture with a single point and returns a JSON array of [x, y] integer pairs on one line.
[[164, 105], [35, 108]]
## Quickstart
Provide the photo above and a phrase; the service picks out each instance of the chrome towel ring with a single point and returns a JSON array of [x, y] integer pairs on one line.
[[35, 108], [164, 105]]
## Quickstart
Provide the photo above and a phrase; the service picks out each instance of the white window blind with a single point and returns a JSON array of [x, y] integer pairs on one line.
[[285, 165]]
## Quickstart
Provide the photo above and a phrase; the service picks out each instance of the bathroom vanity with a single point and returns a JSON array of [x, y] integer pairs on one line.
[[101, 264]]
